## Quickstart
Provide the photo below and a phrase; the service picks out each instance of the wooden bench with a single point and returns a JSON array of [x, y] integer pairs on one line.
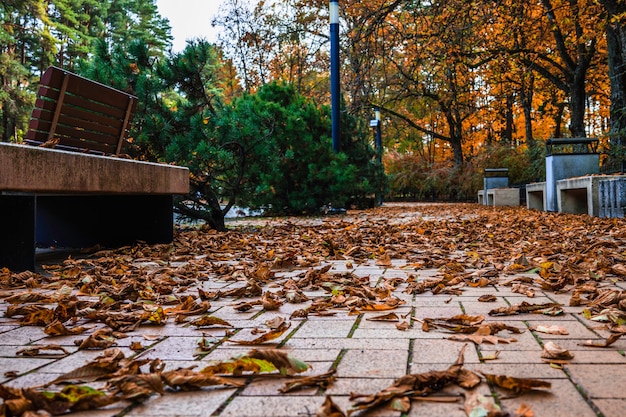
[[70, 191]]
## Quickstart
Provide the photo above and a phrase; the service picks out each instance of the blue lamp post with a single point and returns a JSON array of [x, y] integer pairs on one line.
[[376, 123], [335, 89]]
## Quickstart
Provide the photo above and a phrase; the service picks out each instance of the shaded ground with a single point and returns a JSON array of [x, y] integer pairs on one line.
[[372, 308]]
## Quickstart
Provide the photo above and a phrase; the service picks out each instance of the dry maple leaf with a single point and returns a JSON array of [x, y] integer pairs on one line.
[[134, 387], [482, 335], [35, 350], [605, 343], [553, 351], [56, 328], [270, 301], [403, 326], [330, 409], [517, 385], [103, 366], [271, 335], [285, 363], [416, 385], [553, 329], [522, 308], [100, 339], [322, 381], [207, 321], [189, 380], [385, 317], [477, 404]]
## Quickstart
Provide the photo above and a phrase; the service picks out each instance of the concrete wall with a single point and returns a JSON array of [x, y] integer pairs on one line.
[[561, 166]]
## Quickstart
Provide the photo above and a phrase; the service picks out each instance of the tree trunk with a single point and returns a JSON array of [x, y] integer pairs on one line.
[[616, 42], [577, 103], [526, 96]]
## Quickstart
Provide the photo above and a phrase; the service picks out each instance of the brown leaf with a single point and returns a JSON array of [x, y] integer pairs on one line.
[[403, 326], [606, 343], [134, 387], [385, 317], [56, 328], [188, 380], [245, 305], [103, 366], [271, 335], [35, 350], [206, 321], [477, 404], [553, 351], [329, 409], [285, 363], [517, 385], [100, 339], [270, 301], [482, 335], [275, 323], [522, 308], [554, 329], [322, 381]]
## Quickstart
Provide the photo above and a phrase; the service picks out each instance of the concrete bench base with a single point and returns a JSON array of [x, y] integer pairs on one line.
[[499, 197], [580, 195], [612, 198], [536, 196], [481, 197], [67, 199]]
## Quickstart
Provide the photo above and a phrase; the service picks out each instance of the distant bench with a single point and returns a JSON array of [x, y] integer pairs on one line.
[[69, 191], [496, 191]]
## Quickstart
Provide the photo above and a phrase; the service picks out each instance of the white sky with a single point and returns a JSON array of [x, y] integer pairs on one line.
[[189, 19]]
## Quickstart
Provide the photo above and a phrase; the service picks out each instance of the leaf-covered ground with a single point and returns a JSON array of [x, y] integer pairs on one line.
[[244, 311]]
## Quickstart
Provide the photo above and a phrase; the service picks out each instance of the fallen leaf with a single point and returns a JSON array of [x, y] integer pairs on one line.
[[36, 350], [477, 405], [385, 317], [271, 335], [606, 343], [285, 363], [322, 381], [553, 351], [329, 409], [517, 385], [208, 320], [550, 329], [403, 326]]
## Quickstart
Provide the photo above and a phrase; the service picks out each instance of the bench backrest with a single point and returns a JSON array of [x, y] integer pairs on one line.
[[81, 114]]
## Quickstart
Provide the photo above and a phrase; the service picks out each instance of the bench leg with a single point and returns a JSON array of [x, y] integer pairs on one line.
[[17, 230], [110, 221]]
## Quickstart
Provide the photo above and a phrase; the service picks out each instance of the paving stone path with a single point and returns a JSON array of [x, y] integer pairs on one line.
[[367, 355]]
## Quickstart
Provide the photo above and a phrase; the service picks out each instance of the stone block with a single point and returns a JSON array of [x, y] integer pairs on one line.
[[502, 197], [536, 196]]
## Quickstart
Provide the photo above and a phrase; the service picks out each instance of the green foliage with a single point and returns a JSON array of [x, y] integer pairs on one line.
[[291, 168], [412, 177]]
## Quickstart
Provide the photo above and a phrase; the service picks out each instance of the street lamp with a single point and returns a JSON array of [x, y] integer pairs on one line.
[[377, 122], [335, 90]]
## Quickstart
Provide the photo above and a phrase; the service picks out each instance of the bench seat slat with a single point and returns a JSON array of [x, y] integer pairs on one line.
[[77, 122], [90, 117], [89, 106], [80, 86], [34, 137]]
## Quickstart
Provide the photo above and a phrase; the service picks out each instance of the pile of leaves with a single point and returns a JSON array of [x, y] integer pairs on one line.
[[272, 262]]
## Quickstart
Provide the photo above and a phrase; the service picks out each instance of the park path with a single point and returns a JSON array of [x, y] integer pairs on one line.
[[382, 289]]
